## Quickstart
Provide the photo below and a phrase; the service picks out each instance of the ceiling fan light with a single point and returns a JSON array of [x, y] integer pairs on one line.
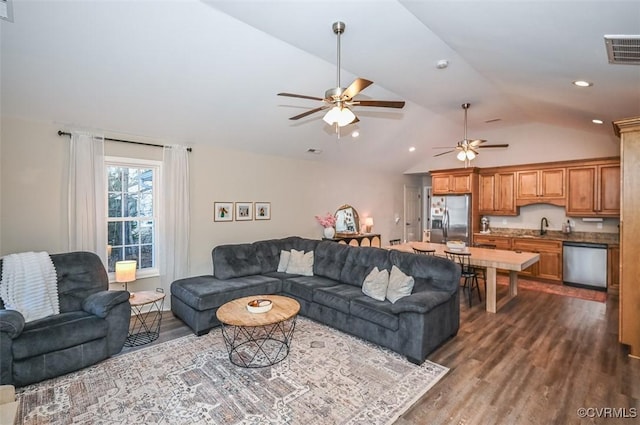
[[341, 116], [346, 117], [470, 155], [332, 116], [462, 156]]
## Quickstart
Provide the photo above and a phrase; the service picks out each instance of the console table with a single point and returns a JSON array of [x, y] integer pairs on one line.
[[362, 239]]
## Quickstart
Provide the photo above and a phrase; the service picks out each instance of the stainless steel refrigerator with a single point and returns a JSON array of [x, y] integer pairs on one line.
[[450, 218]]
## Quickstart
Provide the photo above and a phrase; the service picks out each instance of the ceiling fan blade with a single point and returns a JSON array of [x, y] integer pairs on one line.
[[443, 153], [312, 111], [504, 145], [475, 142], [301, 96], [356, 87], [380, 103]]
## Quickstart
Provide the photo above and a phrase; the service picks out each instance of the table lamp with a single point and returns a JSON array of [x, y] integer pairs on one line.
[[368, 222], [126, 272]]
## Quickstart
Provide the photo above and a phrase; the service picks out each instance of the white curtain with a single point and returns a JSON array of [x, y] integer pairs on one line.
[[174, 215], [87, 210]]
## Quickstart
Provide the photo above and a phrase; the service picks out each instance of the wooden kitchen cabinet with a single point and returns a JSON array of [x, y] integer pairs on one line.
[[453, 181], [613, 272], [501, 242], [536, 186], [497, 194], [550, 264], [594, 190], [629, 315]]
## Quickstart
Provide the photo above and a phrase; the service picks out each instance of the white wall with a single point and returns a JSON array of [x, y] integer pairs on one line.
[[34, 195], [528, 143]]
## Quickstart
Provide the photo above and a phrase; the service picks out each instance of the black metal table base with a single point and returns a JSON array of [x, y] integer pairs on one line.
[[145, 326], [258, 346]]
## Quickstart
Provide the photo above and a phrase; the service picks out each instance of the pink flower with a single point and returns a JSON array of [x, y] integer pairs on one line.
[[328, 220]]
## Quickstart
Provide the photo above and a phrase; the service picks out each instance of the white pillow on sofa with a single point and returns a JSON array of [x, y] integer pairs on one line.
[[300, 263], [400, 285], [376, 283], [284, 261]]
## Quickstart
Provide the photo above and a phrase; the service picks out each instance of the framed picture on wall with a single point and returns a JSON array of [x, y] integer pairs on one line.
[[244, 211], [263, 210], [223, 211]]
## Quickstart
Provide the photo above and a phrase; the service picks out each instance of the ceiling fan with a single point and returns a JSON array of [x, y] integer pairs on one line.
[[340, 100], [467, 148]]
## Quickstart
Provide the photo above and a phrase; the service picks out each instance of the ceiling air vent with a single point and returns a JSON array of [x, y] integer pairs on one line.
[[623, 49]]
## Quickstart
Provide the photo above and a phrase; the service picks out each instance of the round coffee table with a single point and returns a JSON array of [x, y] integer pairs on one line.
[[258, 339]]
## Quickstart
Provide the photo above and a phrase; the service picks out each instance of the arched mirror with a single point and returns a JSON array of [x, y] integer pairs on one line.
[[347, 221]]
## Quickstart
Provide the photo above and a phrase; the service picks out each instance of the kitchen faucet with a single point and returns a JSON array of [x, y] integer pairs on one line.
[[543, 230]]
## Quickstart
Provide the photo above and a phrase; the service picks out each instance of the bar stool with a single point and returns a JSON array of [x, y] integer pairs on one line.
[[424, 251], [468, 272], [394, 242]]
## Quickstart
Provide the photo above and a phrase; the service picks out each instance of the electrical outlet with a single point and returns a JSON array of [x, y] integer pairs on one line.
[[599, 225], [572, 223], [504, 221]]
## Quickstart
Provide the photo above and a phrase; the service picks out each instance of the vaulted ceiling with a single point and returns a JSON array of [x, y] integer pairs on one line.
[[207, 72]]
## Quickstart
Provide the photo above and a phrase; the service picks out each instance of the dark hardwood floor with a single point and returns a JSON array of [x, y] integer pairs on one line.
[[537, 361]]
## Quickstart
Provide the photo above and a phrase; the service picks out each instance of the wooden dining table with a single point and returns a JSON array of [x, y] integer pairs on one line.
[[491, 260]]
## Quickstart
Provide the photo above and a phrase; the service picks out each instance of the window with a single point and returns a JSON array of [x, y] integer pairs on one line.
[[132, 218]]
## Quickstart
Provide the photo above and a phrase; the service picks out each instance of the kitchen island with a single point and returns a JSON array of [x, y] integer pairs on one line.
[[491, 259]]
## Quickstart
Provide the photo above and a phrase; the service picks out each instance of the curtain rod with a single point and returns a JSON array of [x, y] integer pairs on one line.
[[64, 133]]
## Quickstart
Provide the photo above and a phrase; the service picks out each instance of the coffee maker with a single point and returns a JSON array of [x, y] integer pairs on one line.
[[484, 225]]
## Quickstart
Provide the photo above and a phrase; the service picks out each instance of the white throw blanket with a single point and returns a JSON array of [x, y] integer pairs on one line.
[[29, 285]]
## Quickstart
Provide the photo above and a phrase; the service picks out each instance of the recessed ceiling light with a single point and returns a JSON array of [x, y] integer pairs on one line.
[[582, 83], [356, 133], [442, 64], [597, 121], [412, 149]]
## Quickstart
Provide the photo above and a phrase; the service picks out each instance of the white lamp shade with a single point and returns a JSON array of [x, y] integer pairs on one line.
[[470, 155], [461, 156], [341, 116], [126, 271], [368, 221]]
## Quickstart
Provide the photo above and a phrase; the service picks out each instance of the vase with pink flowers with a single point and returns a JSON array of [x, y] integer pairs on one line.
[[328, 221]]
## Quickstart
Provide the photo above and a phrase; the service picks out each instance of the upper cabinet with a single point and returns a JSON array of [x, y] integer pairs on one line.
[[497, 193], [594, 190], [585, 188], [536, 186], [450, 182]]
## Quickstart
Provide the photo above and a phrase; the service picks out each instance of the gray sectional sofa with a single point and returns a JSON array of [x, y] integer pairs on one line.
[[412, 326]]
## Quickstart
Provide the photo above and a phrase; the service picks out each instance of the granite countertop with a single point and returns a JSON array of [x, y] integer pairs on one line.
[[611, 239]]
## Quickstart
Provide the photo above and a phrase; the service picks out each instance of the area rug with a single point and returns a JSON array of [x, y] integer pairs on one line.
[[328, 378], [551, 288]]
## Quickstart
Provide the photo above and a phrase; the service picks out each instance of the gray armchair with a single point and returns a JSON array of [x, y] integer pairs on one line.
[[92, 325]]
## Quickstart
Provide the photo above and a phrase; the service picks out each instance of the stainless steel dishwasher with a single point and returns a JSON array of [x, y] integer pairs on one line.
[[585, 264]]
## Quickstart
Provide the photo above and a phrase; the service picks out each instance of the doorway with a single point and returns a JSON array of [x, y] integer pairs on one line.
[[412, 216]]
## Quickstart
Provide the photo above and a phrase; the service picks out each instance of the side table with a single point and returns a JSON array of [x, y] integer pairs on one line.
[[147, 315]]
